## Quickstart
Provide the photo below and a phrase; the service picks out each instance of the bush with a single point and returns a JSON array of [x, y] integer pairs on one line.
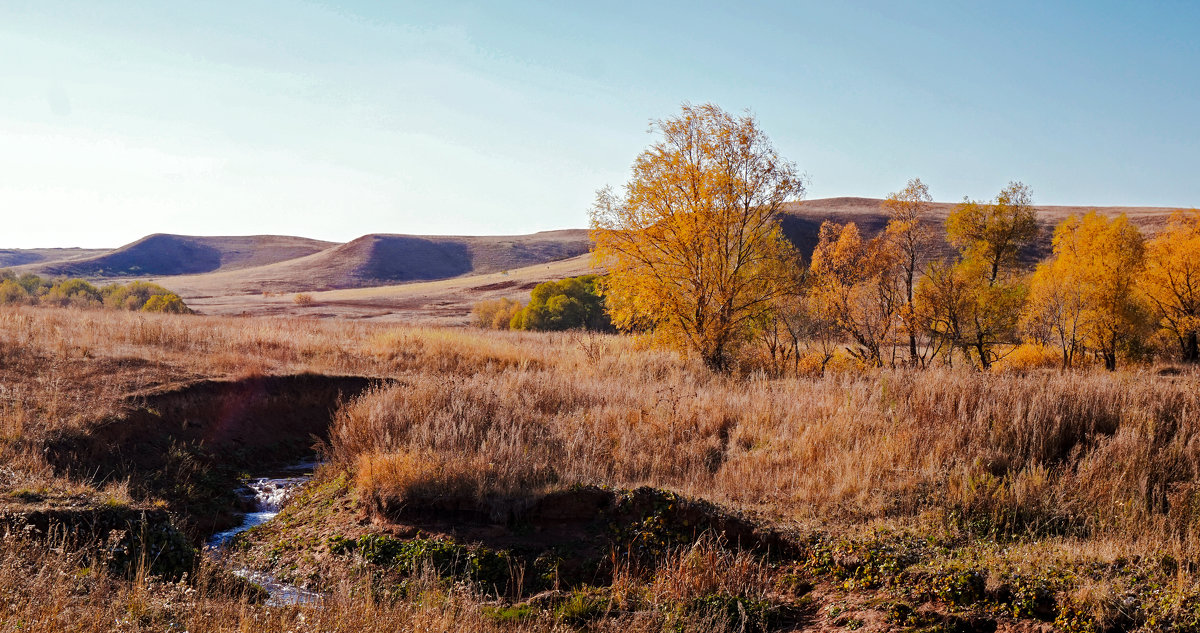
[[1030, 356], [303, 299], [496, 314], [73, 292], [567, 304], [34, 285], [132, 296], [30, 289], [170, 303], [13, 293]]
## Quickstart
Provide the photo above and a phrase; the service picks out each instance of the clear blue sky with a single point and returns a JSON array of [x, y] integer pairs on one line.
[[333, 120]]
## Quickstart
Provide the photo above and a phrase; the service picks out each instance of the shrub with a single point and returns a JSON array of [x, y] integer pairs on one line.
[[30, 289], [73, 292], [303, 299], [34, 285], [567, 304], [13, 293], [495, 314], [1029, 356], [132, 296], [166, 303]]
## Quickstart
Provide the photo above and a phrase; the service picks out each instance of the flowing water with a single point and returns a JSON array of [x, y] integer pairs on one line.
[[267, 495]]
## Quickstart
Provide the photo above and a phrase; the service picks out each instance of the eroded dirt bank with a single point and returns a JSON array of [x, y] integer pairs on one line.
[[189, 446]]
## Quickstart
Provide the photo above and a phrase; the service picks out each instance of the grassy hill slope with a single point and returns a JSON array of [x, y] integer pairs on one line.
[[379, 259], [24, 256], [163, 254]]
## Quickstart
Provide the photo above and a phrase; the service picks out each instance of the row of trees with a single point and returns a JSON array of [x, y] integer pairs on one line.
[[695, 252], [1104, 290], [31, 289]]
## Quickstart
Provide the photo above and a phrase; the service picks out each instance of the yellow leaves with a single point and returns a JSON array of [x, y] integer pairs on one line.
[[853, 284], [994, 232], [1028, 356], [1171, 283], [693, 247], [842, 255], [1085, 296], [907, 209]]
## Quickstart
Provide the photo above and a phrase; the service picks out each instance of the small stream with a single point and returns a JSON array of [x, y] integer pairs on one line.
[[267, 495]]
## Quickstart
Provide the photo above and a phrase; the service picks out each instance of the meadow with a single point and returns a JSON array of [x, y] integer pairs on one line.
[[894, 499]]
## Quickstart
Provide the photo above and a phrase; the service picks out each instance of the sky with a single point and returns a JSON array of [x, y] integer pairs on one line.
[[333, 120]]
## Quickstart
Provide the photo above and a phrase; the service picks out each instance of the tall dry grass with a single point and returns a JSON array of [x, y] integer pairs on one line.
[[1074, 453], [1095, 463], [47, 588], [502, 416]]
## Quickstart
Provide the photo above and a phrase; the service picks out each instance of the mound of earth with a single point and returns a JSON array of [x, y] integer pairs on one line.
[[589, 520], [162, 254], [576, 530], [25, 256], [121, 533], [379, 259]]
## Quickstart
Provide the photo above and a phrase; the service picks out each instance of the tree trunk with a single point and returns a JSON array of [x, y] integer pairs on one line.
[[981, 348], [1191, 348]]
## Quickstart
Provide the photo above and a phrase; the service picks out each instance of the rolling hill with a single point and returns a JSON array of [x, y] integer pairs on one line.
[[384, 259], [162, 254], [24, 256]]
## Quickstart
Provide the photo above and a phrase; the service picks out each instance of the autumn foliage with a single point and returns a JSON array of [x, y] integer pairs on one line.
[[1171, 281], [693, 245], [30, 289], [696, 257]]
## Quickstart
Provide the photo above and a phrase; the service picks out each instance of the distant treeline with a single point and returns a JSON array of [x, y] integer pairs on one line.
[[30, 289]]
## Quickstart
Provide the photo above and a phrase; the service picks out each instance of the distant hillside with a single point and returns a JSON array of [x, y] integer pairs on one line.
[[162, 254], [23, 256], [235, 274], [382, 259], [802, 221]]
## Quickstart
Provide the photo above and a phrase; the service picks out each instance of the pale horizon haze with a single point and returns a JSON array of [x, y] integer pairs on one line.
[[333, 120]]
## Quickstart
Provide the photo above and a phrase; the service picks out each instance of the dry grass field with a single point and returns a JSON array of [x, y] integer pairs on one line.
[[440, 302], [523, 481]]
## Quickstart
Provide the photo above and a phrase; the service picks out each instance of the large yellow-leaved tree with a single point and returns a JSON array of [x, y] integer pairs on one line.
[[693, 245], [854, 283], [974, 304], [1171, 283], [908, 229], [1086, 294]]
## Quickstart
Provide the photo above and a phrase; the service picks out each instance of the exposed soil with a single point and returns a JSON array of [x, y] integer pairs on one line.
[[188, 446], [583, 525]]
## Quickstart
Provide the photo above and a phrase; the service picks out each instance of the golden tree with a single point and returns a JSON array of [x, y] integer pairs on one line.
[[941, 302], [993, 233], [1171, 283], [693, 246], [854, 282], [987, 284], [1087, 292], [1054, 311], [908, 228]]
